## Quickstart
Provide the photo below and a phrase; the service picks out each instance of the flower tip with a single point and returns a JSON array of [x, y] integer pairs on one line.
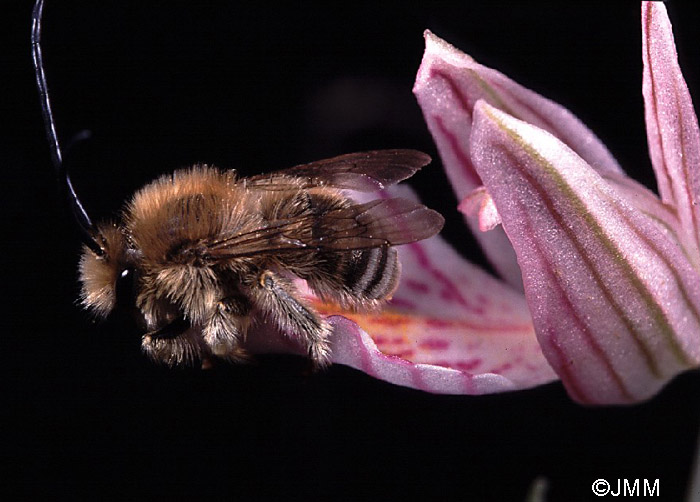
[[438, 49], [433, 43], [480, 203], [660, 6], [485, 112], [483, 107]]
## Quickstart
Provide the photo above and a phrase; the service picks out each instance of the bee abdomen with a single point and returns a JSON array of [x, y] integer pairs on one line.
[[373, 274]]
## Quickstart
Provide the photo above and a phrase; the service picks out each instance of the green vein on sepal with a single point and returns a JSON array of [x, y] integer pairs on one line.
[[653, 308]]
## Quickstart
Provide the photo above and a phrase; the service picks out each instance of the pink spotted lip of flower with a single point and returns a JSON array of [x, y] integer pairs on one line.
[[610, 272]]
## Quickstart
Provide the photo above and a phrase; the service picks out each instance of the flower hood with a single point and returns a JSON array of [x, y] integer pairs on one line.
[[599, 277]]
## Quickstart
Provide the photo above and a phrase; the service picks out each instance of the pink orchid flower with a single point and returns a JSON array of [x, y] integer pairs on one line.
[[610, 272]]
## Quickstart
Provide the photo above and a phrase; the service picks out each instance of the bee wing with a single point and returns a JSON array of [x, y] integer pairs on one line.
[[362, 171], [382, 222]]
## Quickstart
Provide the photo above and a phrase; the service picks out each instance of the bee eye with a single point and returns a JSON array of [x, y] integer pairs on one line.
[[125, 288]]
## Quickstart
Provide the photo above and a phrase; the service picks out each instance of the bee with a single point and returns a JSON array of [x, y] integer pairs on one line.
[[200, 255]]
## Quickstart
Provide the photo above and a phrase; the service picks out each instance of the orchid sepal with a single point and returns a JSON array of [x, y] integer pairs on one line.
[[610, 271], [448, 84], [672, 127], [615, 301], [446, 314]]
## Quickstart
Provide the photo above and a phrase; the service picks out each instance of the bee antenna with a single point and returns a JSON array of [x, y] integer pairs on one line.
[[85, 226]]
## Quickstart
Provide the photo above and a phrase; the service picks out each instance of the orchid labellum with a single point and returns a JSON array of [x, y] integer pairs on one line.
[[600, 277]]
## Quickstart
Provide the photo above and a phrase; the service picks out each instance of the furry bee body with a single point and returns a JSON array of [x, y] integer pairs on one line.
[[200, 254]]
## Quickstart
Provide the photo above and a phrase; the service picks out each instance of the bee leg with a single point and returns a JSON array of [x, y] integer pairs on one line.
[[173, 329], [171, 344], [226, 328], [276, 296]]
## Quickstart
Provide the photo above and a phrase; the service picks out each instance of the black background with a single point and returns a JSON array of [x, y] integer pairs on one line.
[[258, 87]]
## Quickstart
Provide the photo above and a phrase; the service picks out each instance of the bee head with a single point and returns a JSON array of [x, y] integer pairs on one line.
[[106, 276], [107, 279]]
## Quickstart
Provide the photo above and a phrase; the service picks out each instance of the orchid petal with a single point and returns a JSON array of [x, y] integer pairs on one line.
[[446, 313], [480, 202], [353, 347], [672, 126], [615, 301], [637, 195], [648, 203], [450, 327], [448, 84]]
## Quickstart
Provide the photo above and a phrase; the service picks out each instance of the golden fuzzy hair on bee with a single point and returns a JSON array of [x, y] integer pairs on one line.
[[170, 221], [98, 274], [204, 202], [208, 252], [198, 256]]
